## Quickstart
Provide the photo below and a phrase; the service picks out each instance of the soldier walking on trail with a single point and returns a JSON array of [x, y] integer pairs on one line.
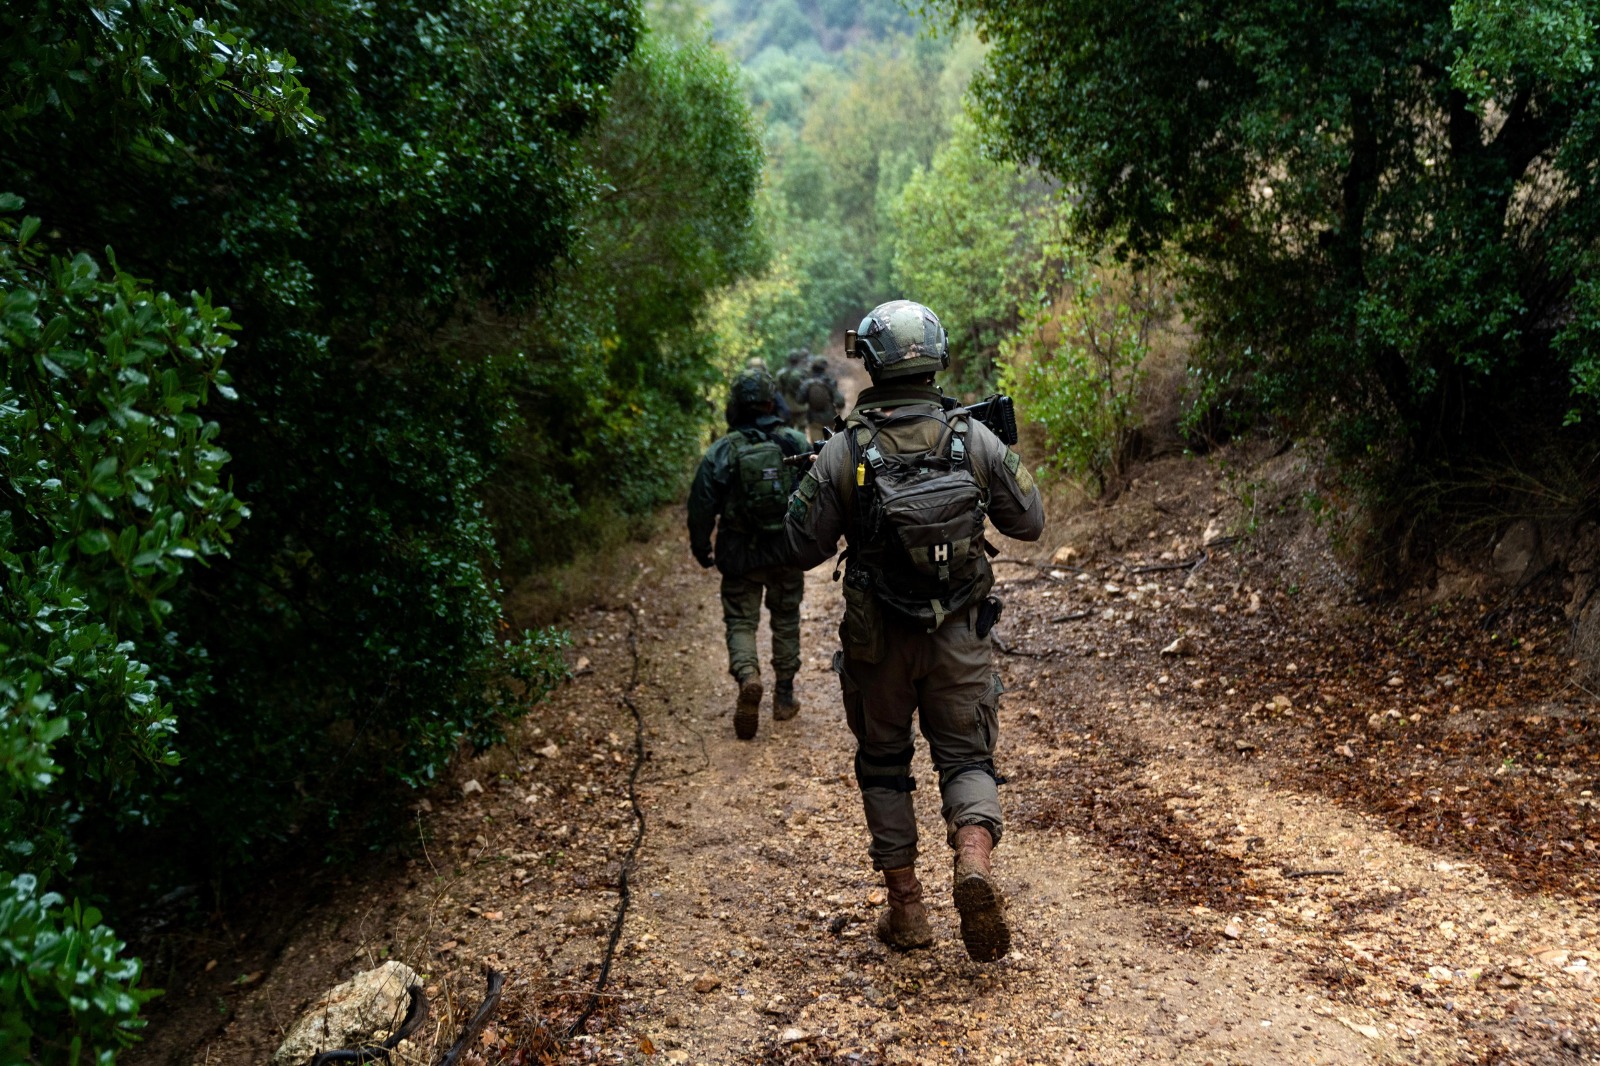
[[822, 400], [791, 387], [909, 483], [741, 489]]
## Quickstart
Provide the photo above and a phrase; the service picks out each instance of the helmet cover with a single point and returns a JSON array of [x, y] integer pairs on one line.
[[902, 339], [754, 386]]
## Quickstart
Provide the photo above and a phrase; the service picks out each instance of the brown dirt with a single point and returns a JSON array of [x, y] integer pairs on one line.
[[1235, 855]]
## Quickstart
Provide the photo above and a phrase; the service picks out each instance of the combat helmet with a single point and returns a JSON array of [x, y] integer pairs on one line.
[[901, 339], [753, 387], [819, 364]]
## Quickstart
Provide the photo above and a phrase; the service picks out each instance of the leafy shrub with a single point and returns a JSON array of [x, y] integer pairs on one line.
[[112, 489], [1079, 366], [611, 397], [67, 991], [975, 242]]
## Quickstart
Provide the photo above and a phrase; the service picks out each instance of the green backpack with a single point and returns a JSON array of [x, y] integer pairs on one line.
[[761, 484]]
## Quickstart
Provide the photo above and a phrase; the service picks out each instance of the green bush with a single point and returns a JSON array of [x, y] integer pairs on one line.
[[975, 241], [1078, 366], [67, 992], [443, 181], [611, 398], [112, 489]]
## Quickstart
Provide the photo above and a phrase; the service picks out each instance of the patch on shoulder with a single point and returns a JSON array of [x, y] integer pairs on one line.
[[1024, 478], [800, 502]]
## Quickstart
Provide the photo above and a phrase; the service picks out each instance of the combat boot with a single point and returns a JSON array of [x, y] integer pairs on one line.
[[784, 704], [983, 909], [747, 712], [904, 925]]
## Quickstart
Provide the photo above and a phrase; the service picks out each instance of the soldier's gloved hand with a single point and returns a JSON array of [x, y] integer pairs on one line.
[[704, 559]]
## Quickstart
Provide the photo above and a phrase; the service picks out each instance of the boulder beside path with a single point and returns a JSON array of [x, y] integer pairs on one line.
[[362, 1010]]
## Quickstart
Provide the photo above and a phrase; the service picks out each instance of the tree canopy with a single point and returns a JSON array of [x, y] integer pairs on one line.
[[1389, 207]]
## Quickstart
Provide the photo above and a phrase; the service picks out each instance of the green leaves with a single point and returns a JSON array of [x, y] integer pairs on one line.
[[110, 485], [143, 61], [66, 989], [1387, 208], [974, 240]]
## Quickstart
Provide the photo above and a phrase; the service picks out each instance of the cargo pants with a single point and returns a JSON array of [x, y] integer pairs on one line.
[[947, 679], [784, 587]]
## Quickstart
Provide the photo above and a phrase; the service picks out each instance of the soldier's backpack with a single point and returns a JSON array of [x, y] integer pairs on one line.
[[918, 536], [761, 483], [819, 394]]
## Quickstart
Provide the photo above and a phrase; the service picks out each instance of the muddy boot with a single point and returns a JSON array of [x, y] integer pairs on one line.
[[747, 713], [983, 910], [904, 925], [784, 705]]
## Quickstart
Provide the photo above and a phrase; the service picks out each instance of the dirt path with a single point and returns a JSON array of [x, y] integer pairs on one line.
[[1179, 893]]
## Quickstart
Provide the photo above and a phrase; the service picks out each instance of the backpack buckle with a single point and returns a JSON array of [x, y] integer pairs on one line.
[[958, 451], [875, 457]]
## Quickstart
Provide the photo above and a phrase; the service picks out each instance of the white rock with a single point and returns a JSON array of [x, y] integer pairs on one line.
[[1368, 1031], [470, 787], [793, 1036], [350, 1014], [550, 751], [1182, 646]]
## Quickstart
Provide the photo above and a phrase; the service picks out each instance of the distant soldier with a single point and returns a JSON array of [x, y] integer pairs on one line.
[[791, 386], [822, 399], [909, 484], [741, 489]]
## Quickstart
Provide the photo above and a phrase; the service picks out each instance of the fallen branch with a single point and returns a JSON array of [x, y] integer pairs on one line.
[[1073, 617], [1044, 567], [474, 1027], [624, 893], [1287, 872], [1191, 564]]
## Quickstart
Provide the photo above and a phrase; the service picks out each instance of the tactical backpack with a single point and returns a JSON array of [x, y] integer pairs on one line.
[[819, 394], [918, 537], [761, 483]]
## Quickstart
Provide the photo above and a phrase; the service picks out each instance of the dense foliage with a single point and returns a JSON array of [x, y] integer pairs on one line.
[[1389, 207], [110, 492], [612, 392], [427, 241], [853, 106]]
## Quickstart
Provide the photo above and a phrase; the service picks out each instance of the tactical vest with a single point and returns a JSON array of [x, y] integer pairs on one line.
[[916, 537], [761, 483]]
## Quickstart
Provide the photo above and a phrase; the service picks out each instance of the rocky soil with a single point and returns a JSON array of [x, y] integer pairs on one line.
[[1251, 820]]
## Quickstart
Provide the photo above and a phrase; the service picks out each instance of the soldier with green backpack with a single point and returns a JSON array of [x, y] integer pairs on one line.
[[910, 482], [741, 491]]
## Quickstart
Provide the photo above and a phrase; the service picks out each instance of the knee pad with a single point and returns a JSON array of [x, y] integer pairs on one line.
[[885, 771]]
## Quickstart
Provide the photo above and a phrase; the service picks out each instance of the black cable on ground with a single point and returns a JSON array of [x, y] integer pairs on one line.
[[624, 893]]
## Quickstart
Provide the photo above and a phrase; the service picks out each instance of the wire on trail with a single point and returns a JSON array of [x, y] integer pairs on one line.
[[624, 893]]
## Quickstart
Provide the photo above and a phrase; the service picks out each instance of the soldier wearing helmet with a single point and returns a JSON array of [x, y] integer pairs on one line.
[[740, 491], [910, 483], [791, 386], [822, 399]]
